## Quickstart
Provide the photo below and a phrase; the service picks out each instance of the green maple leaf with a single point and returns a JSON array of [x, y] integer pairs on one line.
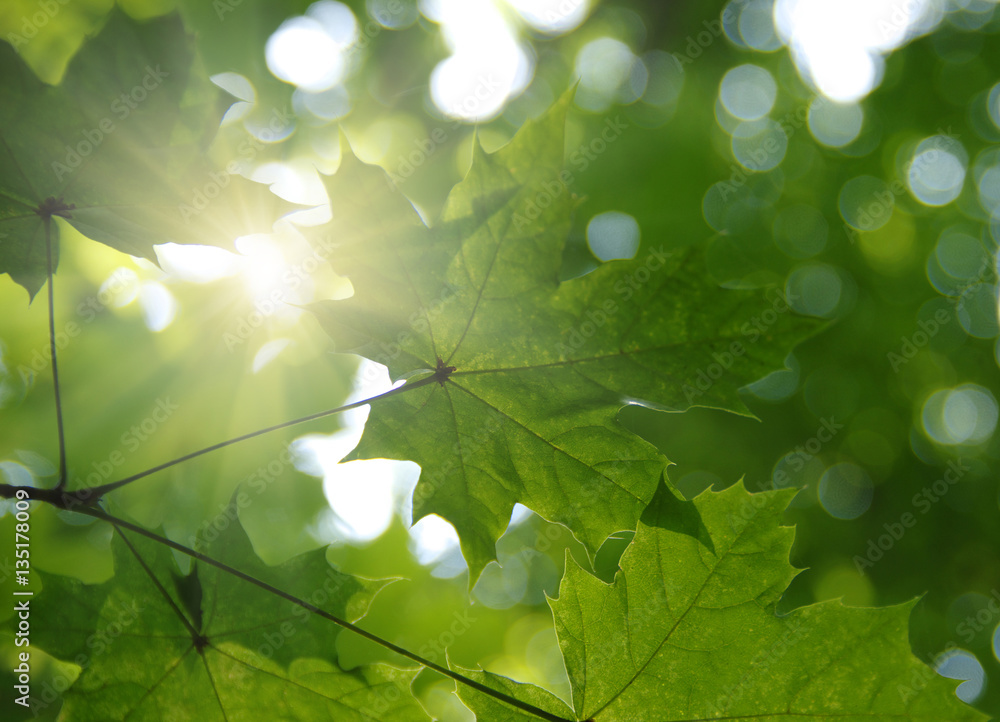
[[212, 646], [688, 631], [541, 367], [118, 150]]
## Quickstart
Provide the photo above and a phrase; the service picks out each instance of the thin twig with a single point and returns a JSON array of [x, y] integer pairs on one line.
[[96, 492], [61, 483], [462, 679]]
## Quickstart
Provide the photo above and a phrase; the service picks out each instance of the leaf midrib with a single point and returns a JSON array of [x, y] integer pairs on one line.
[[711, 572], [591, 359], [543, 439]]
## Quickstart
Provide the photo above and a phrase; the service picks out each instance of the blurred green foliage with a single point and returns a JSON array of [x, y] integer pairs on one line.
[[890, 282]]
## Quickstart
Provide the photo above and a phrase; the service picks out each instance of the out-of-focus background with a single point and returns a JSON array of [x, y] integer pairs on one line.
[[847, 151]]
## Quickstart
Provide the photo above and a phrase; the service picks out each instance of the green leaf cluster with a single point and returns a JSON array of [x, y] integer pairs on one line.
[[513, 378]]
